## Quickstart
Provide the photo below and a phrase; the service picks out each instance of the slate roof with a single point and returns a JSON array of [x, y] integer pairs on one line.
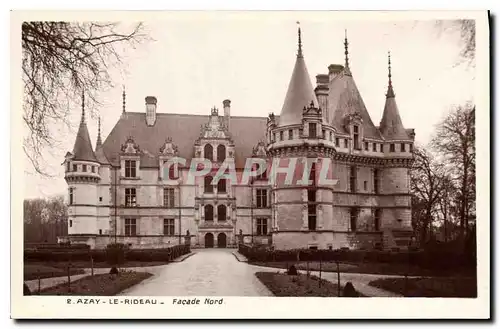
[[391, 125], [82, 149], [344, 98], [184, 129]]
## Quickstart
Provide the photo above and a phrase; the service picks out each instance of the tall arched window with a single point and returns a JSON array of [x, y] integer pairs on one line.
[[221, 153], [209, 212], [209, 188], [221, 186], [208, 150], [221, 213]]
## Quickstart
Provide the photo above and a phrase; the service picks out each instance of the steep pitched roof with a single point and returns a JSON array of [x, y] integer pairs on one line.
[[300, 92], [344, 98], [391, 125], [82, 149], [184, 129]]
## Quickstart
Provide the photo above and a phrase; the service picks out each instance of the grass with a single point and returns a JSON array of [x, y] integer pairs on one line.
[[35, 271], [367, 268], [99, 285], [430, 287], [283, 285], [87, 264]]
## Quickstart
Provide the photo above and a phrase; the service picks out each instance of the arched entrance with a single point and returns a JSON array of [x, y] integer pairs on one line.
[[221, 240], [209, 240]]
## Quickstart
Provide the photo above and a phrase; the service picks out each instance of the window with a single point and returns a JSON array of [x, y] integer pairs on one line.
[[331, 136], [261, 198], [68, 166], [411, 147], [346, 143], [209, 188], [290, 134], [221, 153], [173, 172], [208, 151], [100, 231], [366, 146], [376, 219], [169, 226], [261, 226], [274, 137], [374, 147], [209, 212], [330, 247], [84, 168], [311, 195], [301, 132], [365, 185], [312, 130], [70, 223], [168, 197], [352, 179], [382, 148], [323, 133], [130, 197], [264, 174], [93, 169], [130, 168], [354, 218], [281, 135], [75, 167], [356, 138], [337, 142], [312, 174], [130, 227], [392, 148], [313, 248], [221, 186], [311, 217], [71, 195], [221, 213], [100, 199], [376, 181], [403, 147]]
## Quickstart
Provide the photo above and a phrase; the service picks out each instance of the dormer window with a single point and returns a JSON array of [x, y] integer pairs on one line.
[[208, 150], [130, 168], [221, 153], [356, 138], [312, 130]]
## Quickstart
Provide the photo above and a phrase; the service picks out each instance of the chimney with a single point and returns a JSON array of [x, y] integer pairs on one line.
[[321, 92], [150, 110], [227, 112], [334, 70]]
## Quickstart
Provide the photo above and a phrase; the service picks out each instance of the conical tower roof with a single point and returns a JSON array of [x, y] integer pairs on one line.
[[345, 99], [83, 146], [391, 125], [300, 92]]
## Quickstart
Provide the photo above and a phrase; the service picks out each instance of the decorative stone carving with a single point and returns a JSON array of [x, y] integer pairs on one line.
[[169, 148], [130, 147], [352, 118], [259, 150]]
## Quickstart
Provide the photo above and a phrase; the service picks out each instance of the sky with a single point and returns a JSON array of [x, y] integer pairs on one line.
[[195, 62]]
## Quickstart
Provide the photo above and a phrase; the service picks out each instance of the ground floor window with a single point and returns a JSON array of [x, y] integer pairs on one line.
[[261, 226], [168, 226], [130, 227]]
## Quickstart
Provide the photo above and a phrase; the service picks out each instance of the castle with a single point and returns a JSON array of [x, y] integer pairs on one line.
[[120, 192]]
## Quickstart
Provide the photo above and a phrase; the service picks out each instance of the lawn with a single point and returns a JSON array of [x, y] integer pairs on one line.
[[35, 271], [368, 268], [430, 287], [283, 285], [99, 285], [87, 264]]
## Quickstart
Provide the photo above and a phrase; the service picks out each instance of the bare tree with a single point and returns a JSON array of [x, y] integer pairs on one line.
[[455, 140], [45, 219], [60, 60], [467, 30], [427, 178]]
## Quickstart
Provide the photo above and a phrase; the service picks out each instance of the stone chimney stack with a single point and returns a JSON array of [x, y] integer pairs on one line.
[[227, 112], [150, 110], [334, 70]]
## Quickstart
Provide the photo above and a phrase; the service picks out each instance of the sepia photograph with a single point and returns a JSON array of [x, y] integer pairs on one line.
[[223, 160]]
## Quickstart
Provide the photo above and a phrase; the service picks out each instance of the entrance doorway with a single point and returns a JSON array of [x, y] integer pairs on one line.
[[221, 240], [209, 240]]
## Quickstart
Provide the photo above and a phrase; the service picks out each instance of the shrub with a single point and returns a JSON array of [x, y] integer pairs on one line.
[[113, 270], [292, 270], [115, 253]]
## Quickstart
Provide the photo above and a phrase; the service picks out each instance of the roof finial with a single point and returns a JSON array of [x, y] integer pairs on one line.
[[83, 107], [99, 141], [123, 97], [299, 54], [390, 91], [347, 70]]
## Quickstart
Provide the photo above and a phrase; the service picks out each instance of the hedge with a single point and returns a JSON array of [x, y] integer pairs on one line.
[[103, 255], [420, 258]]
